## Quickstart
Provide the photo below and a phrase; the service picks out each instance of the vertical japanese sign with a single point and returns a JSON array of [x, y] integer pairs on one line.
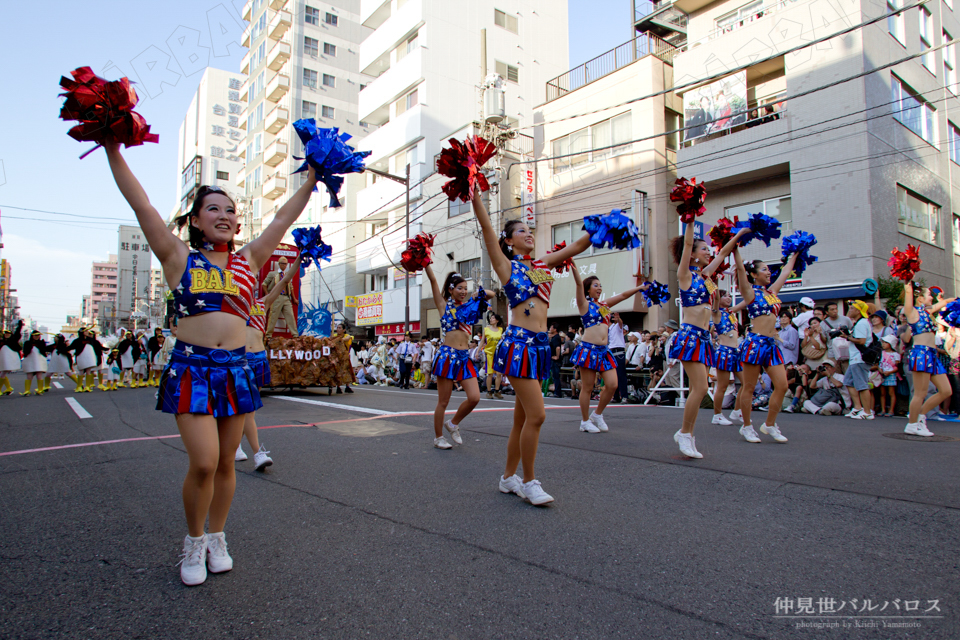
[[528, 194]]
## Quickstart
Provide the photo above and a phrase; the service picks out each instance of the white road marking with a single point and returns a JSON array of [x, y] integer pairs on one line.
[[58, 385], [335, 405], [77, 409], [433, 392]]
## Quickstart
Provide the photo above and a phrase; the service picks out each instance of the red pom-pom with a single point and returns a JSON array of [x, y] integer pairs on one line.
[[463, 162], [722, 232], [567, 264], [904, 264], [691, 196], [104, 110], [417, 254]]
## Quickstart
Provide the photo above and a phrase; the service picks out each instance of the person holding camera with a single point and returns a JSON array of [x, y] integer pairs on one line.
[[830, 395], [858, 372]]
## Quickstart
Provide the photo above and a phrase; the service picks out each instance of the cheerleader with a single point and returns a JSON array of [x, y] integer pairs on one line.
[[922, 358], [727, 356], [141, 355], [88, 354], [591, 354], [113, 370], [35, 362], [452, 361], [759, 349], [155, 352], [260, 364], [9, 357], [61, 360], [523, 354], [208, 384]]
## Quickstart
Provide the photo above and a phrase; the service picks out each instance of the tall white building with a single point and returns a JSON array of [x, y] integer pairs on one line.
[[133, 272], [303, 62], [429, 58], [210, 141]]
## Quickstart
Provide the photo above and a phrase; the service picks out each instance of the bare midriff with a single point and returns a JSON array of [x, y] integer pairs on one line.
[[214, 330]]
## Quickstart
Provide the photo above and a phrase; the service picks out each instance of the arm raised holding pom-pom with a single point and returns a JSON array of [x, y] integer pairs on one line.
[[722, 255], [566, 253], [583, 304], [746, 291], [499, 261], [784, 274], [281, 286], [438, 299]]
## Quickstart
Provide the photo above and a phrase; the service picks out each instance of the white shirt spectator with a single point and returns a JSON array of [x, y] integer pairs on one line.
[[824, 383], [638, 354], [862, 331], [615, 336], [790, 340], [802, 320], [427, 352]]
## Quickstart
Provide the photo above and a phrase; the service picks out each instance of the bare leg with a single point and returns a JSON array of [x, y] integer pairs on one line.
[[230, 430], [513, 442], [472, 388], [697, 375], [750, 374], [921, 382], [943, 392], [609, 388], [723, 381], [200, 437], [588, 378], [250, 430], [778, 375], [530, 399], [444, 389]]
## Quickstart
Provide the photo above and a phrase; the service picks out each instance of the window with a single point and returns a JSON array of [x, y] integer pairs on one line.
[[567, 231], [895, 23], [310, 78], [929, 59], [671, 122], [736, 19], [379, 282], [329, 80], [256, 87], [223, 175], [458, 208], [950, 64], [406, 47], [312, 16], [257, 27], [327, 112], [406, 102], [329, 49], [956, 233], [469, 269], [780, 208], [402, 159], [331, 19], [255, 118], [912, 112], [505, 20], [308, 109], [918, 217], [594, 143], [311, 46], [954, 142], [508, 72]]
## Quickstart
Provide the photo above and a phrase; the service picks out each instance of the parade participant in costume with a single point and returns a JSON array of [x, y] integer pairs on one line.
[[257, 358], [140, 361], [129, 353], [283, 304], [9, 357], [591, 354], [208, 384], [114, 369], [922, 359], [61, 360], [88, 354], [491, 338], [727, 353], [155, 352], [691, 344], [34, 363], [759, 349], [345, 371], [452, 361], [523, 354]]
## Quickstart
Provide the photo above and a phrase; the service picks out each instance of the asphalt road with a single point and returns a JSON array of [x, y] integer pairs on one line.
[[362, 529]]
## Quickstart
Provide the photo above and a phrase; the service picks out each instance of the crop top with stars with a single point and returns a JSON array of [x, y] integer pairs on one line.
[[596, 314], [258, 316], [463, 317], [699, 291], [923, 324], [726, 325], [525, 283], [764, 303], [205, 288]]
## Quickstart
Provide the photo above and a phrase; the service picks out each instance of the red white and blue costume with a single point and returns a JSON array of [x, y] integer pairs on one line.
[[587, 355], [216, 382], [455, 364], [726, 358], [691, 343], [922, 358], [757, 349], [258, 360], [523, 353]]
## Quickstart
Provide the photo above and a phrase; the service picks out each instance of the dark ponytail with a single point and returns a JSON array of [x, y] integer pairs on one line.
[[507, 232], [587, 283], [751, 268]]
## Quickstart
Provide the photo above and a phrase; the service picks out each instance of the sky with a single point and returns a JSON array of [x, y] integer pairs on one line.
[[41, 175]]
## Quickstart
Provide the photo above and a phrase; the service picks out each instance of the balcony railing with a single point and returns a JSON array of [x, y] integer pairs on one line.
[[606, 63], [662, 10], [769, 110]]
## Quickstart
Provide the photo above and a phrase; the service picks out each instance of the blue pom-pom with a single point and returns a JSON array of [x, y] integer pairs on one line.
[[951, 314], [656, 294], [311, 246], [762, 227], [614, 230], [329, 154], [799, 242]]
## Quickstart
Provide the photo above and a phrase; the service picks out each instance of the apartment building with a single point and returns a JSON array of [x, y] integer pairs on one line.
[[821, 137], [303, 62], [430, 59], [103, 288]]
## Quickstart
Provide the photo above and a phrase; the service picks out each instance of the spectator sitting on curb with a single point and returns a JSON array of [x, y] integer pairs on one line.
[[831, 395]]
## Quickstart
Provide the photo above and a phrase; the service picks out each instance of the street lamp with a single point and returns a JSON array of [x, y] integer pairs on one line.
[[406, 183]]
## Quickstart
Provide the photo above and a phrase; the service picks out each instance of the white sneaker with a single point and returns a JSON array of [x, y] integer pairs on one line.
[[454, 431], [855, 414], [598, 420], [749, 434], [922, 419], [693, 443], [261, 459], [241, 456], [737, 415], [763, 408], [218, 560], [513, 484], [193, 561], [589, 427], [918, 429], [773, 432], [868, 416], [534, 493], [685, 440], [719, 419], [441, 443]]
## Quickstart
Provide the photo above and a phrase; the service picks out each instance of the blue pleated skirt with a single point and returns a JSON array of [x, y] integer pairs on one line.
[[208, 381], [260, 365], [522, 353], [760, 350], [596, 357], [925, 360], [453, 364], [692, 344]]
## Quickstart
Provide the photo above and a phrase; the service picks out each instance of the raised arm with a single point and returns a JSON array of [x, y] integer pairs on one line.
[[684, 278], [746, 291], [500, 262], [908, 307], [724, 252], [941, 304], [169, 249], [784, 273], [620, 297], [582, 305], [258, 252], [294, 268], [438, 299], [575, 249]]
